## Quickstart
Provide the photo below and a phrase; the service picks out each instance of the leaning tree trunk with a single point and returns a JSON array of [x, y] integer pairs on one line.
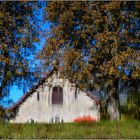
[[113, 104], [113, 109]]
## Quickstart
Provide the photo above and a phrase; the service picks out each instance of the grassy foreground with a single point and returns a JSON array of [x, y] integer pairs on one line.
[[103, 129]]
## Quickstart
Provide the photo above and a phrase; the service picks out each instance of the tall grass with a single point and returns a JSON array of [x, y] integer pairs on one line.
[[104, 129]]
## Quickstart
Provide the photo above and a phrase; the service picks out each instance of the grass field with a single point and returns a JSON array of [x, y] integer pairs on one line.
[[103, 129]]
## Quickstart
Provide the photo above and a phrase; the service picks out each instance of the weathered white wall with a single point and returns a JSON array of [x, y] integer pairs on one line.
[[44, 111]]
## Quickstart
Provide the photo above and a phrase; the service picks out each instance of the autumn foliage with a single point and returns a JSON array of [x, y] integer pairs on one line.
[[92, 43], [91, 40], [17, 35]]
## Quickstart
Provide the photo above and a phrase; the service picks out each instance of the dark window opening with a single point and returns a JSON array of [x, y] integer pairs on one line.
[[75, 93], [38, 96], [57, 95]]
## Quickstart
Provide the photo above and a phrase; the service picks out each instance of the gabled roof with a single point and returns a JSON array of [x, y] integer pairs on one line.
[[90, 95], [28, 94], [34, 88]]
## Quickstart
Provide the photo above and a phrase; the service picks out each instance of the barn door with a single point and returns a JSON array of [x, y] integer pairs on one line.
[[57, 95]]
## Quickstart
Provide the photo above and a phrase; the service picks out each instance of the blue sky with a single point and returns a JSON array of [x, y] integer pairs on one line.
[[16, 91]]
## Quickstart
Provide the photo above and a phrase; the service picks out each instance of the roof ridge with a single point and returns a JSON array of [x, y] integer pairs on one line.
[[32, 90], [89, 94]]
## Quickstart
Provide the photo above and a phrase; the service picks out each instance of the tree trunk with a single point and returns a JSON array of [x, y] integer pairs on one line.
[[113, 109], [113, 104]]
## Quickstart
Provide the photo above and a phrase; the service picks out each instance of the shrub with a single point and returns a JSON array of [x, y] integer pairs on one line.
[[84, 119]]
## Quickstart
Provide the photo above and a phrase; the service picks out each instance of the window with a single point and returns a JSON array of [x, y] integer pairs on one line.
[[57, 95], [76, 93], [38, 96]]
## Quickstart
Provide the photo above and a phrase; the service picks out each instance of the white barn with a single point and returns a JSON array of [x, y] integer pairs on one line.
[[54, 99]]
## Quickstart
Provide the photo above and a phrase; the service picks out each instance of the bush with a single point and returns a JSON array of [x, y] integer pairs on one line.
[[85, 119]]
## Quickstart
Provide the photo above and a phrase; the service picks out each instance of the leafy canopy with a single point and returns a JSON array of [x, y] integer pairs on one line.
[[91, 41], [18, 31]]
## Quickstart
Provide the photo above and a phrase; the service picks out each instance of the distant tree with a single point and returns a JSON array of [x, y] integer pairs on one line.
[[2, 113], [90, 41], [131, 109], [18, 31]]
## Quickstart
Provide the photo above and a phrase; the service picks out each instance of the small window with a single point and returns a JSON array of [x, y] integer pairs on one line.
[[57, 95], [75, 93], [38, 96]]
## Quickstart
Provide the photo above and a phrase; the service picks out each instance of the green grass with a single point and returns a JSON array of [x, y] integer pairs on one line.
[[104, 129]]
